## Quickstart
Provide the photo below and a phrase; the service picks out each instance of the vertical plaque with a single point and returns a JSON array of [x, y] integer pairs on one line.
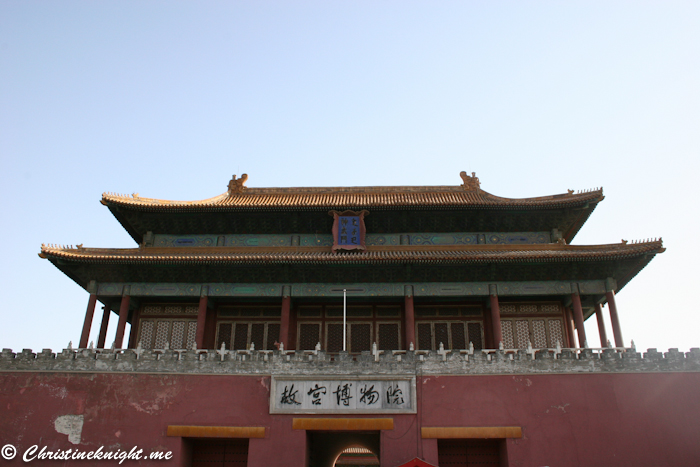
[[348, 230]]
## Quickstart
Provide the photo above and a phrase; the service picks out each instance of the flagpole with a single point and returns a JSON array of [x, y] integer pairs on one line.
[[344, 317]]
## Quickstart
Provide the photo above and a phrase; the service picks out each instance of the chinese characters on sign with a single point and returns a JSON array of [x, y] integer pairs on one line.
[[349, 230], [312, 395], [289, 396], [315, 394]]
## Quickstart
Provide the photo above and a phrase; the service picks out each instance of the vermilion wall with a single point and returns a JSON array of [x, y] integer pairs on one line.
[[567, 419]]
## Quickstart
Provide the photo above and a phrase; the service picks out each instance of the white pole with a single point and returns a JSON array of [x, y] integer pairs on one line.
[[345, 320]]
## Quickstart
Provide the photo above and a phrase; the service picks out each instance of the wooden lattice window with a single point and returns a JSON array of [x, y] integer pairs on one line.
[[540, 332], [273, 335], [224, 334], [425, 336], [530, 308], [357, 311], [388, 336], [386, 311], [239, 335], [309, 335], [250, 311], [359, 337], [334, 337], [457, 336], [476, 335], [447, 310], [176, 333], [452, 334], [169, 309], [309, 311]]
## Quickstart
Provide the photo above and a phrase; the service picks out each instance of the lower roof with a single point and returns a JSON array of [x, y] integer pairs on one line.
[[372, 255], [456, 263]]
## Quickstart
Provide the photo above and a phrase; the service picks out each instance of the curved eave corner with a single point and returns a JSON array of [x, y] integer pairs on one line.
[[585, 214], [646, 258], [116, 212]]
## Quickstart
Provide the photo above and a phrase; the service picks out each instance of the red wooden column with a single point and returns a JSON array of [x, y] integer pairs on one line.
[[202, 316], [495, 316], [569, 327], [123, 315], [614, 319], [134, 333], [610, 286], [103, 327], [488, 332], [601, 325], [89, 313], [578, 316], [284, 322], [410, 318]]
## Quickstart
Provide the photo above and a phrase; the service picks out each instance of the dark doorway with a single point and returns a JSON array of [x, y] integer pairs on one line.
[[325, 447], [219, 453], [469, 452]]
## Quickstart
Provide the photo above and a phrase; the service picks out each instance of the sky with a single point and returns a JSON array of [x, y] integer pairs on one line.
[[170, 99]]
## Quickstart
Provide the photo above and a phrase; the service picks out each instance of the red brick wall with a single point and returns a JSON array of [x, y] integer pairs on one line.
[[567, 420]]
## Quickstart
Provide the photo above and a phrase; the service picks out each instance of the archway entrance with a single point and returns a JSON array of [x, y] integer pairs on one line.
[[326, 448], [357, 456]]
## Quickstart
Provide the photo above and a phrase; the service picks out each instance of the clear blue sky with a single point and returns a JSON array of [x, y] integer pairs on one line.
[[169, 99]]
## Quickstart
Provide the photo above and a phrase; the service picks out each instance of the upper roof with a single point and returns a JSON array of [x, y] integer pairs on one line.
[[565, 212], [468, 194]]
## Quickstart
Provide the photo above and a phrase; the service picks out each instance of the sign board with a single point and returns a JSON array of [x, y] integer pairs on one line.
[[348, 230], [346, 394]]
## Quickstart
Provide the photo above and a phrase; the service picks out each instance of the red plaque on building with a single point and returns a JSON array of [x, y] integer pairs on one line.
[[348, 230]]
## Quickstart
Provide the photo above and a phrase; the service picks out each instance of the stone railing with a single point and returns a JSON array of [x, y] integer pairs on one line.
[[268, 362]]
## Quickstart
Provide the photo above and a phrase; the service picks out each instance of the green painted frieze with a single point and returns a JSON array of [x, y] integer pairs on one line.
[[431, 289], [324, 240]]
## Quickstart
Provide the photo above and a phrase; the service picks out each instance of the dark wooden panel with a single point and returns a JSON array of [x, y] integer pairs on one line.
[[220, 453], [469, 453]]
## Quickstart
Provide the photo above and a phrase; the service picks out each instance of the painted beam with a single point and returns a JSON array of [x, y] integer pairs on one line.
[[432, 289], [467, 432], [343, 424], [216, 431], [423, 238]]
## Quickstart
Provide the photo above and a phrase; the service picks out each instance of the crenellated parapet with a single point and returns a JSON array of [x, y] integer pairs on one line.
[[400, 362]]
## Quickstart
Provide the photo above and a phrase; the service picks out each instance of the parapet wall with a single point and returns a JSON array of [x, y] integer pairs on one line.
[[457, 362]]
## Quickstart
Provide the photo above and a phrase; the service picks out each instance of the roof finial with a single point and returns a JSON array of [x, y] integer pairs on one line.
[[236, 184], [470, 183]]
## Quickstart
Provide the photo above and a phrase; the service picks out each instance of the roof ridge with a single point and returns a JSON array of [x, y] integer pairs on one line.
[[238, 195]]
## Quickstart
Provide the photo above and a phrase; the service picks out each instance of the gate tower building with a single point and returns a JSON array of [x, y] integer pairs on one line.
[[424, 325]]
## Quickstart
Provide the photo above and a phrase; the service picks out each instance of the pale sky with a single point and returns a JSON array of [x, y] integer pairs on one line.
[[169, 99]]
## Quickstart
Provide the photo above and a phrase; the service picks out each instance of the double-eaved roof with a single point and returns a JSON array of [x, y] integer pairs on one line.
[[393, 210]]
